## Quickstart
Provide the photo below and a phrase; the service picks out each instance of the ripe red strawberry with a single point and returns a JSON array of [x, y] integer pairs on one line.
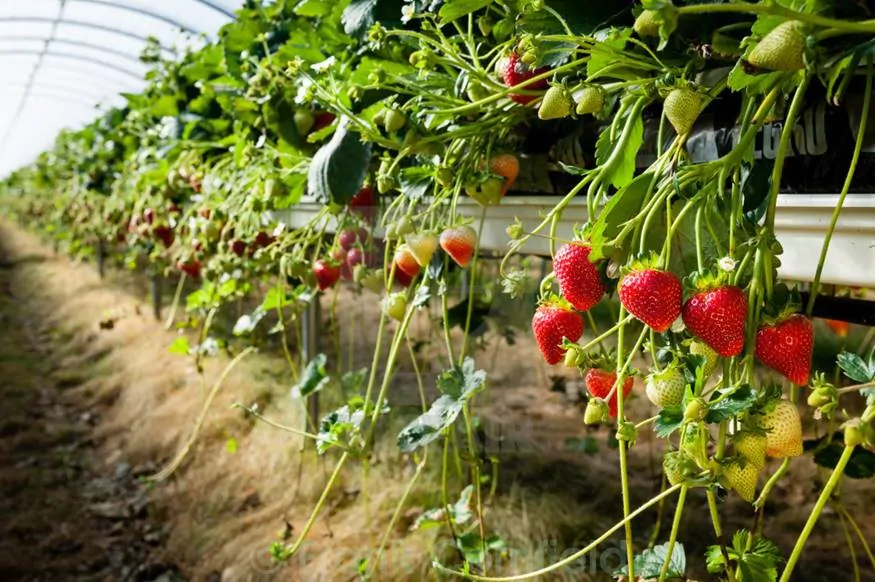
[[599, 383], [354, 257], [786, 347], [191, 267], [406, 262], [322, 119], [149, 216], [653, 296], [164, 233], [326, 273], [551, 323], [339, 256], [513, 72], [401, 278], [238, 247], [422, 246], [262, 239], [459, 243], [578, 278], [348, 238], [364, 203], [718, 317]]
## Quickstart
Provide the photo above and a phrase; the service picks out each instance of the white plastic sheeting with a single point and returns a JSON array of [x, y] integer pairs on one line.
[[61, 60]]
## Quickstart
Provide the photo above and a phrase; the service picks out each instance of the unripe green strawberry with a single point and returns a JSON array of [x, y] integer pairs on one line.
[[696, 410], [666, 388], [698, 348], [853, 433], [395, 306], [394, 121], [556, 104], [783, 430], [678, 466], [422, 246], [304, 121], [596, 412], [682, 107], [646, 24], [751, 446], [781, 49], [742, 479], [590, 100]]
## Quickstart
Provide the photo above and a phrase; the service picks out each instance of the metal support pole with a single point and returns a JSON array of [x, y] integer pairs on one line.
[[310, 323], [156, 296], [101, 258]]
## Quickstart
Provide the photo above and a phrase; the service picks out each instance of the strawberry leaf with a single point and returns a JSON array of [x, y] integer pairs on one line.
[[338, 169], [740, 399], [622, 206], [313, 379], [455, 9], [429, 426], [855, 368], [648, 564], [861, 465], [670, 420]]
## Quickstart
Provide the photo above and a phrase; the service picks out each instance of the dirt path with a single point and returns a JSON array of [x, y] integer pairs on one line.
[[64, 513]]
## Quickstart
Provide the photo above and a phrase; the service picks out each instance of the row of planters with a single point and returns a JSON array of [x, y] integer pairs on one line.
[[388, 113]]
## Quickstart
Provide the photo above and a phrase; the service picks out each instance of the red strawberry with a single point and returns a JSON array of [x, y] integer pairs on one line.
[[460, 243], [354, 257], [786, 347], [514, 71], [508, 167], [165, 234], [653, 296], [551, 323], [339, 256], [401, 278], [322, 119], [149, 216], [262, 239], [191, 267], [718, 317], [347, 239], [326, 273], [238, 247], [578, 278], [406, 262], [599, 383], [364, 202]]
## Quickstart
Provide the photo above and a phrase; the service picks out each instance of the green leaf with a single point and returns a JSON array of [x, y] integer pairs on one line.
[[454, 9], [670, 419], [341, 427], [860, 466], [622, 206], [429, 426], [648, 564], [338, 169], [462, 382], [855, 368], [360, 15], [416, 182], [352, 382], [247, 323], [370, 64], [313, 379], [180, 346], [741, 398], [606, 50]]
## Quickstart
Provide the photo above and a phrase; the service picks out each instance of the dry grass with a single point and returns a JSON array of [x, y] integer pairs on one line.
[[226, 508]]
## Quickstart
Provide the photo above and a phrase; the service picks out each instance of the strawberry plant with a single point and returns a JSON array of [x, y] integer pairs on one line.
[[394, 119]]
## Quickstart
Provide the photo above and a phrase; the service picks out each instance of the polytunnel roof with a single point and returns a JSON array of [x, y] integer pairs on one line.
[[60, 59]]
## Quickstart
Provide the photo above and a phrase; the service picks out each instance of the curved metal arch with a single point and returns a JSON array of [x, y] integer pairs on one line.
[[138, 76], [141, 11], [63, 88], [91, 25], [118, 84], [112, 51], [78, 100], [217, 8]]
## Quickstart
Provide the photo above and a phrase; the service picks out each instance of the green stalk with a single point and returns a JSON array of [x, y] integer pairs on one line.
[[863, 27], [855, 158], [834, 480], [718, 531], [573, 557], [673, 537], [783, 146]]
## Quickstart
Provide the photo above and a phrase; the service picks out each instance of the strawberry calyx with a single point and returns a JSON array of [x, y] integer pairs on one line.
[[784, 304], [647, 261], [707, 280]]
